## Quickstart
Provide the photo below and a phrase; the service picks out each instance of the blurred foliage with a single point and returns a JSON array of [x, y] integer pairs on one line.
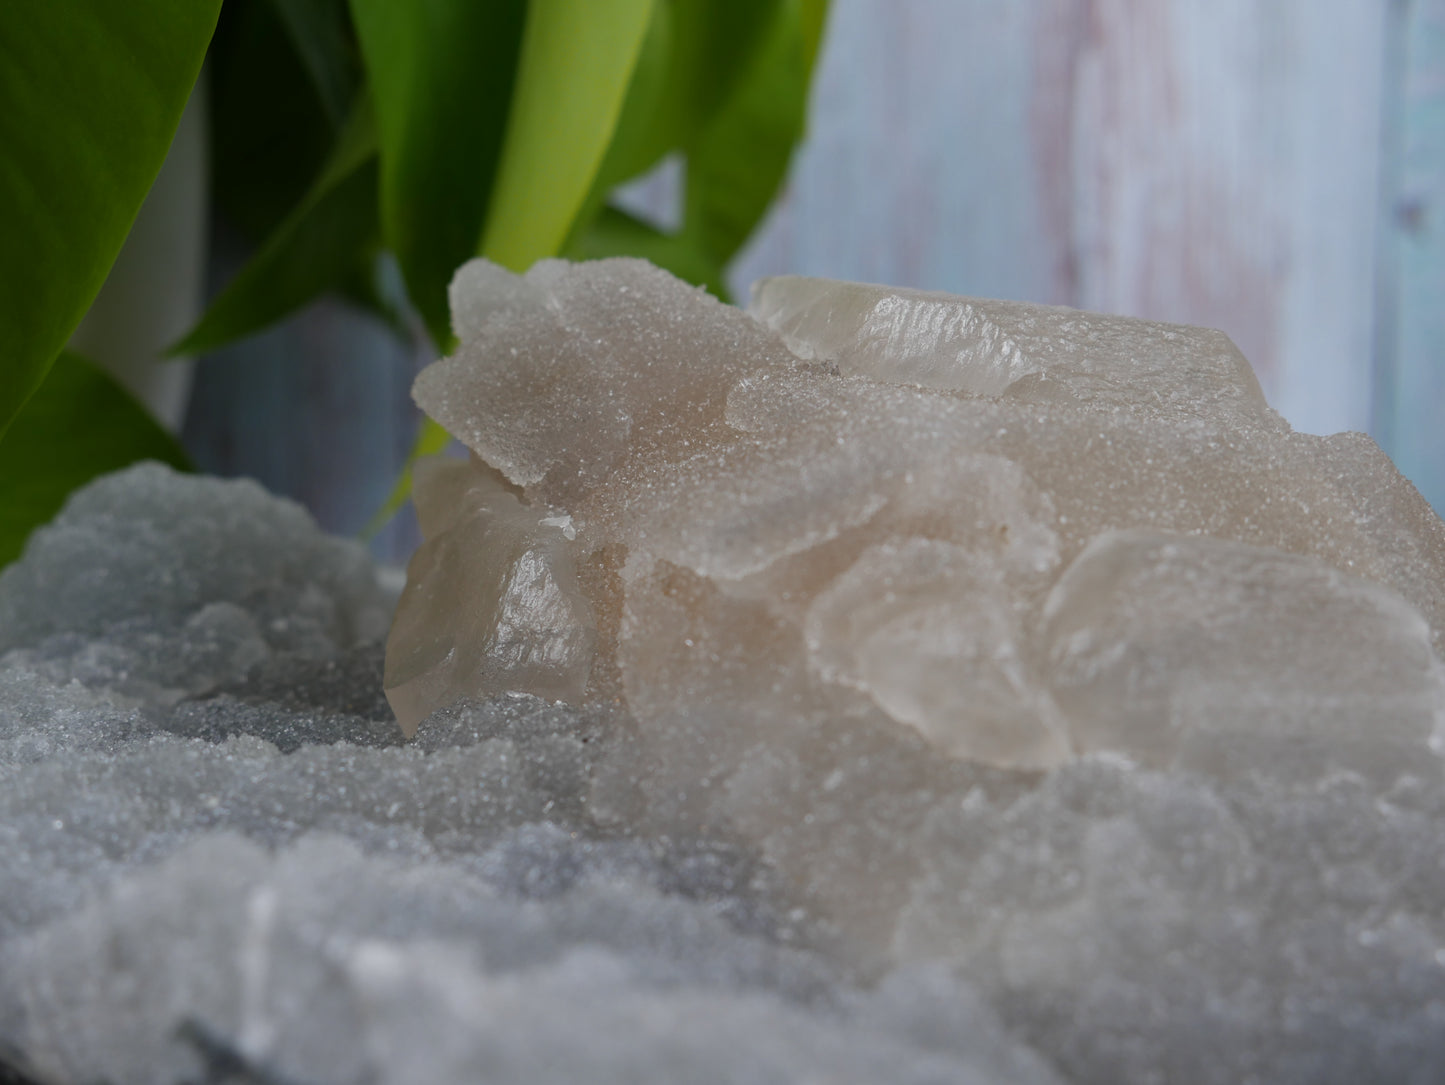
[[344, 130], [103, 429], [91, 92]]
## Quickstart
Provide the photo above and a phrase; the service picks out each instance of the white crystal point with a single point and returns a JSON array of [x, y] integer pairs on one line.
[[1240, 660], [491, 601], [989, 347]]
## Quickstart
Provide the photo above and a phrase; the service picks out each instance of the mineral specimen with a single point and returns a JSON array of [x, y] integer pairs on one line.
[[219, 860], [1022, 533], [1047, 712]]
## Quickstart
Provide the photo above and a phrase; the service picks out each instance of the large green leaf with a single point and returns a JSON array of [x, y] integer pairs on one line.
[[441, 74], [646, 126], [738, 163], [91, 92], [316, 248], [717, 41], [693, 58], [694, 55], [270, 128], [813, 18], [576, 65], [320, 32], [79, 423]]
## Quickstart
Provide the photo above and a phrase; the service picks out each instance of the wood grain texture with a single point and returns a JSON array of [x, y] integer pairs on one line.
[[1206, 163]]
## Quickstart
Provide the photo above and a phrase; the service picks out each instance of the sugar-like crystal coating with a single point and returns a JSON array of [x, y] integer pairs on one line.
[[956, 691], [781, 849], [1020, 533]]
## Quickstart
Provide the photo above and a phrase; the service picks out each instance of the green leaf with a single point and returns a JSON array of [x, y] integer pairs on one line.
[[717, 43], [694, 55], [616, 233], [270, 130], [575, 68], [79, 424], [430, 439], [318, 247], [441, 74], [91, 92], [691, 57], [647, 125], [737, 165], [320, 32], [812, 18]]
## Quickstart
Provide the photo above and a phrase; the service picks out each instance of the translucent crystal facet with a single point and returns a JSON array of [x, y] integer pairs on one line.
[[494, 604], [1018, 533]]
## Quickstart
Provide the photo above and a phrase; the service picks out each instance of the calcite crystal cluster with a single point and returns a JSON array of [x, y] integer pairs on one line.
[[1011, 534], [880, 686]]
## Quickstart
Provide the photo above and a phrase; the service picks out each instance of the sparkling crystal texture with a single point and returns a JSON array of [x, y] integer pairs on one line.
[[879, 686], [1020, 533]]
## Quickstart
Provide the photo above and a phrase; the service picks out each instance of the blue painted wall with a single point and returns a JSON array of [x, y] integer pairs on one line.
[[1410, 417]]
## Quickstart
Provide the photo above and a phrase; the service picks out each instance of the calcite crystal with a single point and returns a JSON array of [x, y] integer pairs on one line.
[[220, 859], [1015, 533], [495, 603]]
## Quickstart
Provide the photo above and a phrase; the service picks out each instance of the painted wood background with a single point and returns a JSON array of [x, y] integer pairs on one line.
[[1409, 419], [1275, 169]]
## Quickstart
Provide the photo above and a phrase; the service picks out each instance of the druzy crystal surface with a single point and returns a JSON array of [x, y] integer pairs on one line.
[[1015, 533], [879, 687]]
